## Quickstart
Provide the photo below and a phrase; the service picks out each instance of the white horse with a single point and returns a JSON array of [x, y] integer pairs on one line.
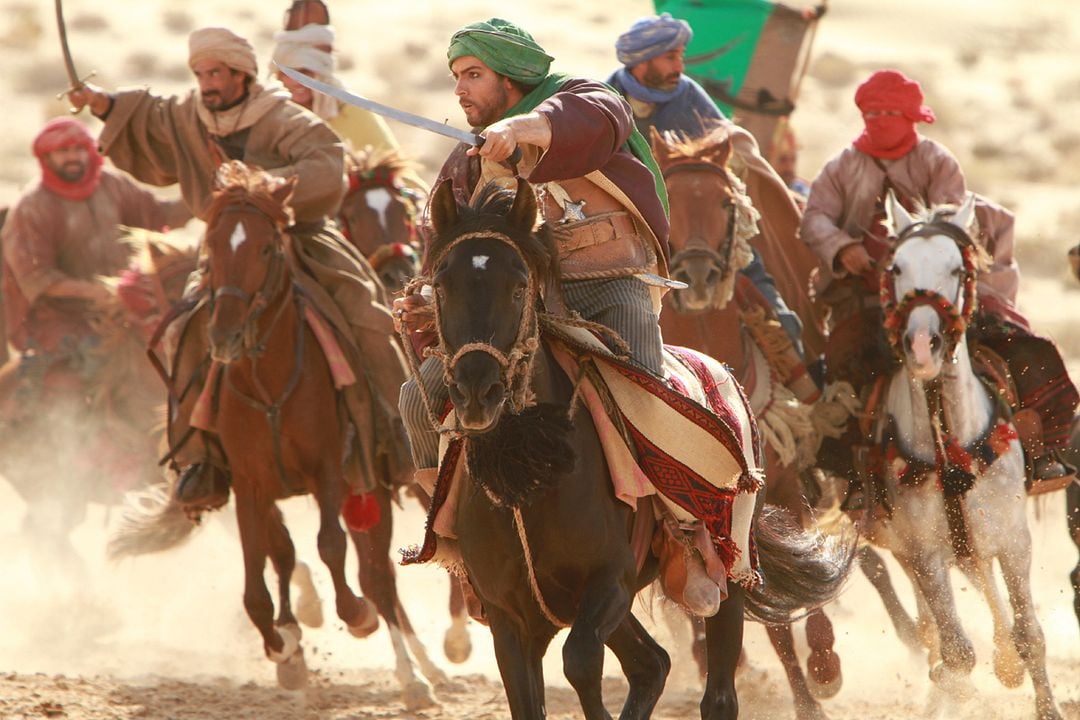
[[953, 470]]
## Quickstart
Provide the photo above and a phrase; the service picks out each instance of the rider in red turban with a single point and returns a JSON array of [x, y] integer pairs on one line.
[[65, 169], [891, 104]]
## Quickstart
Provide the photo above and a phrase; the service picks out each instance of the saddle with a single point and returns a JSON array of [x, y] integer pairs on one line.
[[676, 440]]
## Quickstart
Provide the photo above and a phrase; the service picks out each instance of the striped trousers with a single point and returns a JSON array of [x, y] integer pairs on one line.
[[621, 304]]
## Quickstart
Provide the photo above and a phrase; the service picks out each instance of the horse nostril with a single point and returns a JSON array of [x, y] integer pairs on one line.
[[907, 342], [494, 394], [935, 342], [456, 396]]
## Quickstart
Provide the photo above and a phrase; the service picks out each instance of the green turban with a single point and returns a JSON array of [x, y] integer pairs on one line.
[[504, 47]]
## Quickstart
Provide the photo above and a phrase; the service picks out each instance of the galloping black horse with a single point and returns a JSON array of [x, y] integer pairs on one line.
[[542, 536]]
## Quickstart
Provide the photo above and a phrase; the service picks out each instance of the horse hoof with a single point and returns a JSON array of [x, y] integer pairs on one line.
[[292, 674], [290, 637], [1008, 667], [823, 674], [457, 646], [364, 622], [416, 695]]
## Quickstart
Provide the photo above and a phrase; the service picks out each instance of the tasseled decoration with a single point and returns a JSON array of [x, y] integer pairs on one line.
[[361, 512]]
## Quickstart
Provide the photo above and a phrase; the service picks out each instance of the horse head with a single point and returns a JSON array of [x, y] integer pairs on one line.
[[245, 253], [928, 288], [378, 209], [711, 218], [488, 268]]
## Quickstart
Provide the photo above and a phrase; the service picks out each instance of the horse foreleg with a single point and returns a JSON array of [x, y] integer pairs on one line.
[[873, 567], [1008, 667], [644, 663], [252, 516], [1027, 633], [724, 640], [603, 607], [283, 556], [359, 614], [957, 652], [456, 644], [806, 707], [520, 666], [377, 582]]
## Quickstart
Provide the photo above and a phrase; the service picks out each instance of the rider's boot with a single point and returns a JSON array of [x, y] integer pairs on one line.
[[683, 576], [204, 484], [1047, 471]]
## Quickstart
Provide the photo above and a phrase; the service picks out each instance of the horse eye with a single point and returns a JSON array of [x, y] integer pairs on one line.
[[519, 292], [894, 270], [958, 272]]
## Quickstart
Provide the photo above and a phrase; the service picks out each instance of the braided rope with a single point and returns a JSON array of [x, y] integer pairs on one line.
[[519, 525]]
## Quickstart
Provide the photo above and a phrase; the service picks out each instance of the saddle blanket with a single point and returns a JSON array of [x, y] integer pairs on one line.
[[689, 444]]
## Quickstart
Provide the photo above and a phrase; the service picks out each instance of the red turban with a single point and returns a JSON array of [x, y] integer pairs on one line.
[[888, 90], [65, 132]]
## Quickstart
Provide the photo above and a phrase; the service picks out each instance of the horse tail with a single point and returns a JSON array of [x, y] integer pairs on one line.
[[802, 569], [152, 521]]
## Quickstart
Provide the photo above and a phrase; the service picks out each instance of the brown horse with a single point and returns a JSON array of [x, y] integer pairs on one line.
[[1072, 509], [381, 209], [284, 431], [722, 314], [542, 537]]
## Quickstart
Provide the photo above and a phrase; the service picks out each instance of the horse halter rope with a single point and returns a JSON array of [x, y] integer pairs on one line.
[[272, 285], [722, 261], [517, 362], [954, 319]]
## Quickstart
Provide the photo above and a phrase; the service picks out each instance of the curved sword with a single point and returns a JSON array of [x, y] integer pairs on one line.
[[69, 63]]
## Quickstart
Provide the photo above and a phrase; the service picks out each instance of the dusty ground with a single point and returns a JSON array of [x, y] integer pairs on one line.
[[166, 637]]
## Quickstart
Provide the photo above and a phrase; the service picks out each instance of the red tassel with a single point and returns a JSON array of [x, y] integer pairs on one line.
[[361, 512]]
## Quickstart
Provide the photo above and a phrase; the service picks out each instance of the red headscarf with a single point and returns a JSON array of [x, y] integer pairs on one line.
[[890, 136], [64, 132]]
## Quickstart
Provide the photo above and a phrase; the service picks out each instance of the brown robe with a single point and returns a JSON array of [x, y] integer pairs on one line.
[[48, 238]]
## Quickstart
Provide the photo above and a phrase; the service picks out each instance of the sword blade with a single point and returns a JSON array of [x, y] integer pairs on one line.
[[69, 64], [385, 110]]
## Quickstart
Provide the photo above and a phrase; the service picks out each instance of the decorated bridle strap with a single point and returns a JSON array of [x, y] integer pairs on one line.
[[955, 319]]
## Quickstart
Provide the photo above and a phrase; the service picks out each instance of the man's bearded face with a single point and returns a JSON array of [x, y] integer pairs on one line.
[[220, 87], [69, 162], [663, 72], [483, 94]]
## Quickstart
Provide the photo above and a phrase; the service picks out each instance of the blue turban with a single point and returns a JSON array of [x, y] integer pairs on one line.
[[651, 37]]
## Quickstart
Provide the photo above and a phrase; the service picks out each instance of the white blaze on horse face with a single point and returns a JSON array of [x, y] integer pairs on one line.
[[238, 236], [479, 262], [378, 199]]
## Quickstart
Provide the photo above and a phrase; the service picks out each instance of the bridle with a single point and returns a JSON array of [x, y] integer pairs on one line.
[[955, 314], [516, 363], [273, 284], [702, 249]]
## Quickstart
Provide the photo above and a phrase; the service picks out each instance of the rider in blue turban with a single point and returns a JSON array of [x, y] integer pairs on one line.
[[650, 37]]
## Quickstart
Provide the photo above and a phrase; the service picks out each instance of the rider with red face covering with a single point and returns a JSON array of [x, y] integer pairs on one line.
[[843, 225]]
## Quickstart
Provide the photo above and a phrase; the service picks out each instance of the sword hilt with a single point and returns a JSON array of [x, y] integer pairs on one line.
[[75, 86], [512, 161]]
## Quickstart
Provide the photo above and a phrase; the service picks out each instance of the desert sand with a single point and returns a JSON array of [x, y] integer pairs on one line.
[[166, 636]]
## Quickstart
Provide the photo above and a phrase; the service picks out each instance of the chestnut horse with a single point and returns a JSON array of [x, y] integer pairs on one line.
[[542, 537], [381, 209], [722, 314], [284, 432]]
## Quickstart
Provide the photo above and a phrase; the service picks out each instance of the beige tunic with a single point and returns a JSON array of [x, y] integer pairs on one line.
[[843, 200], [161, 141]]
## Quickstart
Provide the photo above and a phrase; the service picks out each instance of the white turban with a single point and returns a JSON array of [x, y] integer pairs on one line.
[[225, 46], [300, 49]]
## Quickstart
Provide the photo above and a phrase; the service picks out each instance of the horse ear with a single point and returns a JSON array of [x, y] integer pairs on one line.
[[523, 214], [659, 145], [963, 216], [443, 207], [284, 191], [720, 153], [899, 219]]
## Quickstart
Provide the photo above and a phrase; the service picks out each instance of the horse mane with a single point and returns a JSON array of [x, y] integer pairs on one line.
[[488, 214], [237, 183], [683, 147]]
